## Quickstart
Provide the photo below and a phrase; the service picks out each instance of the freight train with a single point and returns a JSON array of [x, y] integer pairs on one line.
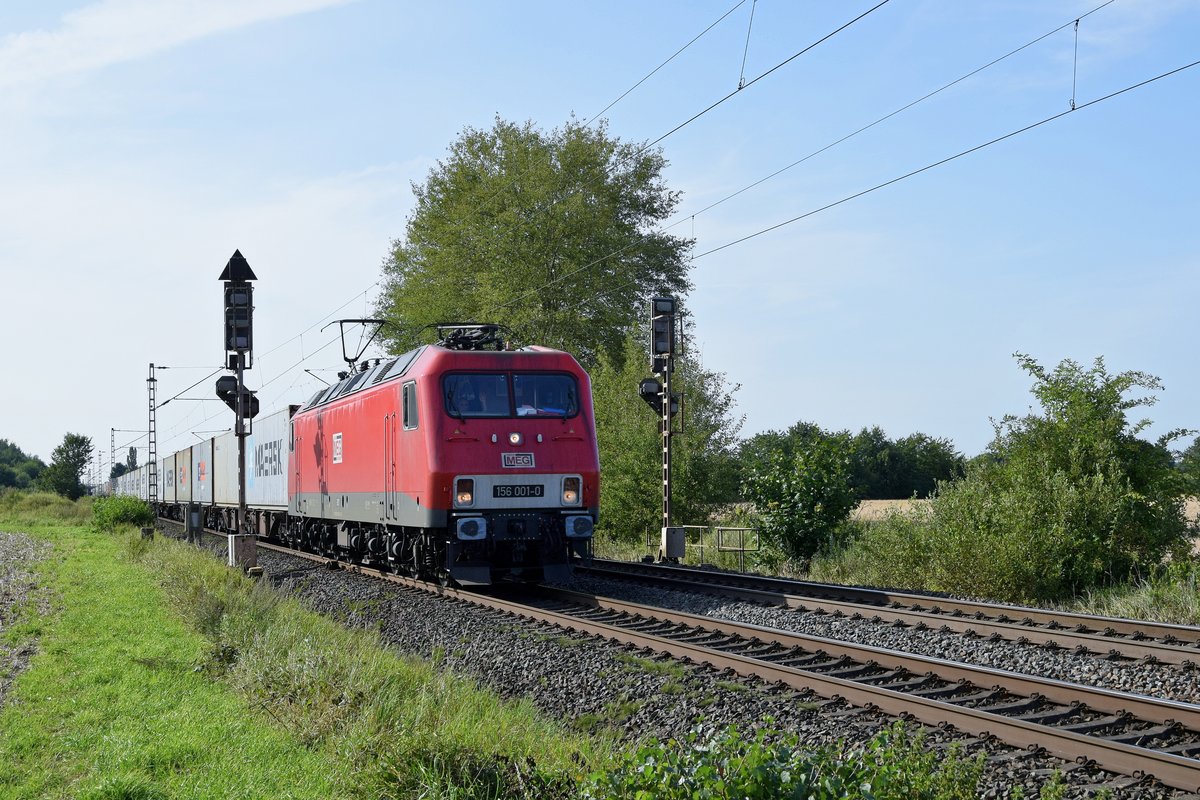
[[460, 461]]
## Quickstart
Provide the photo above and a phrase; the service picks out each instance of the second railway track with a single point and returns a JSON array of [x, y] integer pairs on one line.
[[1104, 636]]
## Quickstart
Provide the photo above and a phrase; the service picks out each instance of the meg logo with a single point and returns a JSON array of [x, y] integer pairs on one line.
[[516, 460]]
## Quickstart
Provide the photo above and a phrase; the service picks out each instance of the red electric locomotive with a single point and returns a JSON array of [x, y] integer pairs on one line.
[[452, 461]]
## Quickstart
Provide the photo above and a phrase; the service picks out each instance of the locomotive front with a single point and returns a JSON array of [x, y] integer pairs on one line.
[[518, 459]]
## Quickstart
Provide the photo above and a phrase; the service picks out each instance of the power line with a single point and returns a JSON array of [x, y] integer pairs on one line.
[[923, 98], [753, 81], [638, 151], [673, 56], [947, 160], [888, 116]]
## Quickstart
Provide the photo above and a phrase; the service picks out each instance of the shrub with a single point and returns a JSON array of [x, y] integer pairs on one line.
[[803, 493], [1064, 501], [110, 513], [771, 764]]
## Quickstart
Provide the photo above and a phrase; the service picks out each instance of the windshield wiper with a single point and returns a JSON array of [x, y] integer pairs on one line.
[[453, 407]]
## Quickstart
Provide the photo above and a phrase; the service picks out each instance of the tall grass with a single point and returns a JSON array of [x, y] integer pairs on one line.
[[404, 724], [1172, 596], [25, 507]]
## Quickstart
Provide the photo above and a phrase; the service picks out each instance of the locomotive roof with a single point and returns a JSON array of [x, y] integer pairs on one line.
[[395, 368]]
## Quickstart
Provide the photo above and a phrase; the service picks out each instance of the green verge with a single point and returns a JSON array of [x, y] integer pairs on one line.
[[163, 674]]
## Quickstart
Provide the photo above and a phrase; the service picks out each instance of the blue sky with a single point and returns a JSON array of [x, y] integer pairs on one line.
[[142, 141]]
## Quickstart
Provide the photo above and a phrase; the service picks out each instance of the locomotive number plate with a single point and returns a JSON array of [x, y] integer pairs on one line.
[[520, 490], [517, 459]]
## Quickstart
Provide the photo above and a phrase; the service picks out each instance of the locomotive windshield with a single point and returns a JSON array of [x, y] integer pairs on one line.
[[501, 394]]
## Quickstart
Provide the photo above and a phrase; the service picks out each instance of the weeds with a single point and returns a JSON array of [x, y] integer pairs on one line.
[[770, 764]]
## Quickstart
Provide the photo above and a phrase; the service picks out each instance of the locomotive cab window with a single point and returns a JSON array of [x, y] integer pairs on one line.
[[477, 395], [527, 394], [545, 394], [410, 406]]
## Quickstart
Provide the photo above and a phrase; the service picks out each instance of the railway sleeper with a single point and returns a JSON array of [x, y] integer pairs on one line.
[[1137, 738], [1017, 707], [1091, 726], [1050, 716]]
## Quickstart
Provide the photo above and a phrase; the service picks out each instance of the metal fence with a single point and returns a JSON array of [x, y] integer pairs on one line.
[[728, 540]]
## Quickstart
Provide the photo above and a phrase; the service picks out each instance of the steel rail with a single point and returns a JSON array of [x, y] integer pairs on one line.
[[1143, 707], [1177, 771], [1118, 757], [1148, 649], [941, 608]]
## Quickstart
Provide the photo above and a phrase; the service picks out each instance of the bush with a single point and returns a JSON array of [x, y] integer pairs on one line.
[[803, 493], [110, 513], [1065, 501], [894, 764]]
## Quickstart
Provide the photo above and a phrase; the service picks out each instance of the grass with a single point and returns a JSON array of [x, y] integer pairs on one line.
[[653, 666], [163, 674], [1172, 596], [111, 706]]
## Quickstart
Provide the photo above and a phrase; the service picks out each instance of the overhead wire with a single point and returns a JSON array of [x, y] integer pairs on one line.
[[685, 217], [478, 208], [888, 116], [948, 159], [742, 85]]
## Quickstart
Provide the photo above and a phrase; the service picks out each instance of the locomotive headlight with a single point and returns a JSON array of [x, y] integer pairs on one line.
[[464, 492], [515, 439], [570, 491]]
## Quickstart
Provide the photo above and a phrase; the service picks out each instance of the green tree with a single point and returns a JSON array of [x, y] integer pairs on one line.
[[704, 463], [18, 468], [925, 462], [802, 491], [883, 469], [67, 463], [551, 234], [1189, 464], [1065, 499]]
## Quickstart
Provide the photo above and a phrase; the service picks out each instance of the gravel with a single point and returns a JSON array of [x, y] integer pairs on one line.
[[592, 684], [18, 588], [1156, 680]]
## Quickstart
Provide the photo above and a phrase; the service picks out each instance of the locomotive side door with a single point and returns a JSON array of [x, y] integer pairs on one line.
[[297, 459], [389, 467]]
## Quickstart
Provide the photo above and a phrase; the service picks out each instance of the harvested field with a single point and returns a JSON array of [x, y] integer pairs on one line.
[[872, 510]]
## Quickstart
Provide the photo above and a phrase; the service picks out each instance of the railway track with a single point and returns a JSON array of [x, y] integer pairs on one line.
[[1126, 734], [1105, 636]]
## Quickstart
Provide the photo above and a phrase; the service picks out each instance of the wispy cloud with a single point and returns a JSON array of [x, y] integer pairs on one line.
[[114, 31]]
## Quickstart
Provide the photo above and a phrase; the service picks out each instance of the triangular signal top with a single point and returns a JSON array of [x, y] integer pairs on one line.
[[238, 269]]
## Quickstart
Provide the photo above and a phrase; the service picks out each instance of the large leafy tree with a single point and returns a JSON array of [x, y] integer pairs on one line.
[[553, 234], [67, 463], [18, 468]]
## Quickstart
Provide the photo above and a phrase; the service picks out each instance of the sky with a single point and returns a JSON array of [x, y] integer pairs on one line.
[[143, 141]]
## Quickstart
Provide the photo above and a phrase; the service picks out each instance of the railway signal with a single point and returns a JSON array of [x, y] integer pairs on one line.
[[227, 393], [239, 342], [660, 397]]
